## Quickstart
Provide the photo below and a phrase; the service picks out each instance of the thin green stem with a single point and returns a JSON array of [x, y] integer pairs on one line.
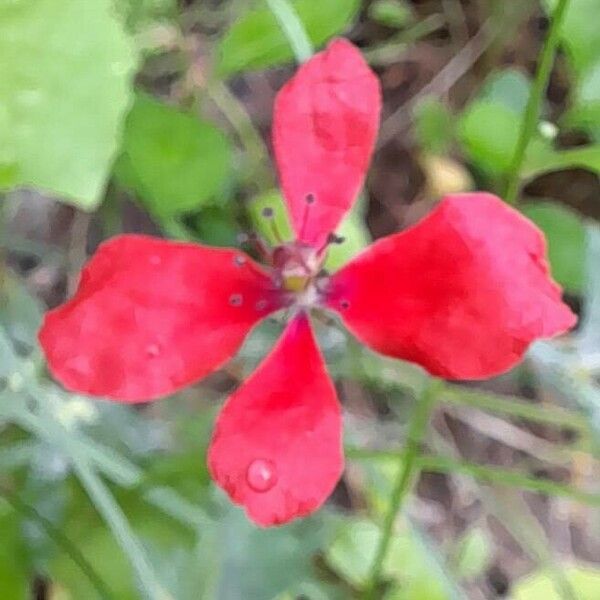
[[532, 111], [61, 540], [293, 28], [489, 474], [406, 469]]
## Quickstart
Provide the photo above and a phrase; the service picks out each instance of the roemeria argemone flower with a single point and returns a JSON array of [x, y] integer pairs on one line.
[[463, 294]]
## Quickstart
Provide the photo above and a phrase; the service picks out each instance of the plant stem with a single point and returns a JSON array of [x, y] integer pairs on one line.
[[61, 540], [408, 464], [293, 28], [532, 111], [485, 473]]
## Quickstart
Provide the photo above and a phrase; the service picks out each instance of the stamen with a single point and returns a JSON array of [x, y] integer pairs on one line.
[[309, 200], [268, 213], [259, 245]]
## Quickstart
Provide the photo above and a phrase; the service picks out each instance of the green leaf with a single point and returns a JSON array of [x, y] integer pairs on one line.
[[175, 162], [14, 576], [545, 159], [509, 87], [566, 241], [585, 582], [580, 32], [352, 228], [66, 78], [256, 40], [489, 132], [473, 553], [434, 125], [393, 13], [585, 112]]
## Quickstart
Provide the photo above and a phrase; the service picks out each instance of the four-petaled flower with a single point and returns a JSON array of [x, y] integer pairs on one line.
[[463, 294]]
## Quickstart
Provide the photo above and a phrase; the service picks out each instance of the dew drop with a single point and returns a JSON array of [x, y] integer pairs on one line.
[[236, 299], [345, 304], [238, 260], [261, 475], [152, 350], [155, 260], [310, 198], [261, 305]]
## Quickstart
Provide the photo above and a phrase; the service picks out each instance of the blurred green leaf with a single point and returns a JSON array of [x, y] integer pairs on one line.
[[217, 227], [256, 40], [508, 87], [20, 312], [14, 575], [585, 112], [352, 228], [139, 14], [261, 563], [66, 83], [489, 132], [393, 13], [473, 553], [580, 32], [566, 241], [175, 162], [352, 552], [585, 582], [434, 125], [545, 159]]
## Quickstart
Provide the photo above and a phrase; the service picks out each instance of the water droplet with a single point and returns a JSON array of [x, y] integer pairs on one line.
[[155, 260], [239, 260], [236, 299], [152, 350], [345, 304], [310, 198], [261, 475], [261, 305]]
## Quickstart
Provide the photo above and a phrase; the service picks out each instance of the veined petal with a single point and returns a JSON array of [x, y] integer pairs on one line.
[[325, 124], [151, 316], [277, 446], [463, 293]]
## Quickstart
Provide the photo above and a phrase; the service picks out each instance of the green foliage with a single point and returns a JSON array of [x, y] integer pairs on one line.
[[14, 574], [393, 13], [174, 162], [565, 234], [434, 125], [585, 582], [473, 553], [256, 40], [580, 34], [59, 59]]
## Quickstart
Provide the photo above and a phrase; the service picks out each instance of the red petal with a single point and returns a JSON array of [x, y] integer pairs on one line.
[[463, 293], [277, 444], [324, 130], [152, 316]]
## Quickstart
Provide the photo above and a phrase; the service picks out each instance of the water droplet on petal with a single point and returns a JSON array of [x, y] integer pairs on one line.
[[155, 260], [239, 260], [345, 304], [152, 350], [261, 475]]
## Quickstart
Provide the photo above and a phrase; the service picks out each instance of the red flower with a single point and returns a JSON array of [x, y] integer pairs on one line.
[[463, 294]]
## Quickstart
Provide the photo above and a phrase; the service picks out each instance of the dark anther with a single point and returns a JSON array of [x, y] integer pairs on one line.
[[332, 238], [345, 304], [267, 212], [310, 198], [235, 299]]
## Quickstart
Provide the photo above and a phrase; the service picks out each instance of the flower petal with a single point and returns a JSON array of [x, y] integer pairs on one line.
[[277, 446], [463, 293], [324, 129], [152, 316]]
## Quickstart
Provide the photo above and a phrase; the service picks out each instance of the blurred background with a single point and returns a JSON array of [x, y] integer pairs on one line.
[[154, 116]]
